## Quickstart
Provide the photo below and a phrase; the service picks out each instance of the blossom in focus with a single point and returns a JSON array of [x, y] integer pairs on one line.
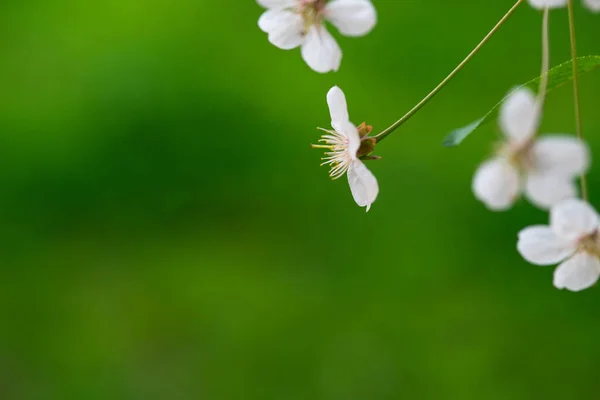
[[344, 143], [294, 23], [544, 169], [572, 239]]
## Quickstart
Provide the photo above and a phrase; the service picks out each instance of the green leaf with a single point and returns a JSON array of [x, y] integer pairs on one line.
[[557, 77]]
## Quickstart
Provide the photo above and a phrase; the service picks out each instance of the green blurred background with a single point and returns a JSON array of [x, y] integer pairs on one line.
[[168, 234]]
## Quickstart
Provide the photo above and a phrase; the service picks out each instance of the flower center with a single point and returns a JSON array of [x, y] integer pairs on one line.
[[519, 155], [337, 157], [591, 244], [312, 12]]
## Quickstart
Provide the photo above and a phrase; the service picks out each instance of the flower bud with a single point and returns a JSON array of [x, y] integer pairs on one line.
[[367, 146], [364, 129]]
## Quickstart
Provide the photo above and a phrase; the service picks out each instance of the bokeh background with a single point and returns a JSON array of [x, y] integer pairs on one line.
[[166, 232]]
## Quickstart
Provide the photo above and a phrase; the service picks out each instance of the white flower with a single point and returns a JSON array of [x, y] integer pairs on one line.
[[593, 5], [572, 239], [343, 143], [544, 169], [293, 23], [541, 4]]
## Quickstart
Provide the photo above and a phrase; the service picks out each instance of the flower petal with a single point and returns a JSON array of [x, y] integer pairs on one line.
[[561, 155], [277, 3], [496, 184], [363, 184], [541, 4], [545, 190], [573, 218], [519, 115], [539, 245], [320, 50], [338, 108], [577, 273], [285, 28], [271, 19], [352, 17], [593, 5]]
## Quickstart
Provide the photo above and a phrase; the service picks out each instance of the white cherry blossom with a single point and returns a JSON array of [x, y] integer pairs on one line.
[[572, 239], [544, 169], [343, 143], [541, 4], [293, 23], [593, 5]]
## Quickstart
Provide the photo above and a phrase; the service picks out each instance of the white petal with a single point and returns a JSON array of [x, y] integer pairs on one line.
[[573, 218], [541, 4], [352, 17], [519, 115], [539, 245], [496, 184], [577, 273], [277, 3], [593, 5], [320, 50], [561, 155], [545, 190], [363, 184], [338, 108], [271, 19], [285, 28]]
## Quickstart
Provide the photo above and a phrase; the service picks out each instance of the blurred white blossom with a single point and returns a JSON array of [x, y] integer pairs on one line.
[[343, 143], [593, 5], [572, 239], [541, 4], [544, 169], [293, 23]]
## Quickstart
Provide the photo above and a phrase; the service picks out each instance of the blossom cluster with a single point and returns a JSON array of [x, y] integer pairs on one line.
[[544, 168]]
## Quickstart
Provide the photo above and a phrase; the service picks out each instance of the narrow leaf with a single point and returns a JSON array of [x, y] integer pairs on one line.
[[557, 77]]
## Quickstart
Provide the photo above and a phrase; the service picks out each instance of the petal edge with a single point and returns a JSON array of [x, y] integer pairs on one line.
[[363, 184], [539, 245]]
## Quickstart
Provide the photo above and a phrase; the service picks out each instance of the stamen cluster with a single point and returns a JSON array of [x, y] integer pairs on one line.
[[338, 156]]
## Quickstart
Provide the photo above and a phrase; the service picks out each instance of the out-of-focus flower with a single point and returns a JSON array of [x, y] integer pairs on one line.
[[544, 169], [593, 5], [293, 23], [345, 144], [572, 239], [541, 4]]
